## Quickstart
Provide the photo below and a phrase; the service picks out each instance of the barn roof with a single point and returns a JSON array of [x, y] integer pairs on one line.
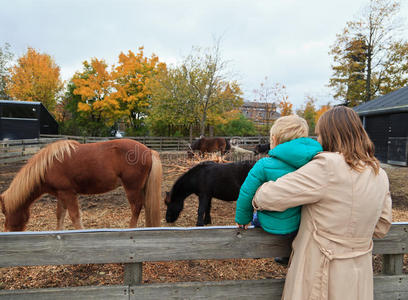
[[393, 102], [19, 102]]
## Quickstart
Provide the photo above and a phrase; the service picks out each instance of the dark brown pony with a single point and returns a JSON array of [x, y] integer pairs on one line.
[[207, 145], [67, 168]]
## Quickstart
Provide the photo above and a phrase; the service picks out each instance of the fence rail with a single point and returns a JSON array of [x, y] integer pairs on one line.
[[135, 246], [19, 150]]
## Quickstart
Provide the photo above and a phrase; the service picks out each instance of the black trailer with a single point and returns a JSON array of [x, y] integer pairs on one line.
[[386, 122], [25, 120]]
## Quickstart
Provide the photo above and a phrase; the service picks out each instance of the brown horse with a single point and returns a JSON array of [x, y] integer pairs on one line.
[[67, 168], [207, 145]]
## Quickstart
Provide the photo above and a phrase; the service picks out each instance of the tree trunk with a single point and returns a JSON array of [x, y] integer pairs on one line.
[[191, 133], [368, 79], [202, 124]]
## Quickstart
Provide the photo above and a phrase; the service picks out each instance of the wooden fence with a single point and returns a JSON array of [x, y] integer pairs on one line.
[[19, 150], [135, 246], [161, 143]]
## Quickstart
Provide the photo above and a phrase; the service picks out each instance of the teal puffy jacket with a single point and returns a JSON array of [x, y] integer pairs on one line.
[[284, 158]]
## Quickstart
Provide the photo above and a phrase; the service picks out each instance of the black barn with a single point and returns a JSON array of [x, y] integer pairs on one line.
[[386, 122], [25, 120]]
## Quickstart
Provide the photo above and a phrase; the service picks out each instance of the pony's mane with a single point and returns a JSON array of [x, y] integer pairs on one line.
[[31, 175]]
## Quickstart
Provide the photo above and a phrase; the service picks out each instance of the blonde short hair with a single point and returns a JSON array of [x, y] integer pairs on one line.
[[288, 128]]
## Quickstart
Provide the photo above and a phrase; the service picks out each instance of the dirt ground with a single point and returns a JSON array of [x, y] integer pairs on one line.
[[111, 210]]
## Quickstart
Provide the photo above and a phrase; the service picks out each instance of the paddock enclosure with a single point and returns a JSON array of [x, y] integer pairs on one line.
[[175, 262]]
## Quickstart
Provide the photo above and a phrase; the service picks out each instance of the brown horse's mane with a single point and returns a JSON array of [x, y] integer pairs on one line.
[[31, 175]]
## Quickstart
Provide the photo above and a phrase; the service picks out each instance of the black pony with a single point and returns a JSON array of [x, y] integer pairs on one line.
[[262, 148], [207, 179]]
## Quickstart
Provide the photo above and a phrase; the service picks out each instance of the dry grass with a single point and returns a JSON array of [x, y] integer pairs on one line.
[[111, 210]]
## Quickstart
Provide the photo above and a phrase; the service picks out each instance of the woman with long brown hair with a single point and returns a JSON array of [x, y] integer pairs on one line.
[[346, 201]]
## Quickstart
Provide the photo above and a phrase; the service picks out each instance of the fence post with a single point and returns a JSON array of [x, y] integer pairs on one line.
[[23, 148], [392, 264], [133, 273]]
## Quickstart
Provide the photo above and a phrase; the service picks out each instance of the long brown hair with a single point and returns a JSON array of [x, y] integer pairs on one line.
[[340, 130]]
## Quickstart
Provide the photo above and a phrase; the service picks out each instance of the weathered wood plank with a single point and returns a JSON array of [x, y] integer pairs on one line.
[[396, 241], [240, 289], [137, 245], [391, 287], [14, 159], [393, 263], [385, 288], [119, 292], [157, 244]]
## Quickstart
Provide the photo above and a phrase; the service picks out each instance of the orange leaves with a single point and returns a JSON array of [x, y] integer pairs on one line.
[[117, 95], [94, 85], [321, 111], [131, 77], [84, 107], [35, 77], [285, 108]]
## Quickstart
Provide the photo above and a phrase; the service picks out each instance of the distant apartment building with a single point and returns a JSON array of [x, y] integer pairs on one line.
[[262, 113]]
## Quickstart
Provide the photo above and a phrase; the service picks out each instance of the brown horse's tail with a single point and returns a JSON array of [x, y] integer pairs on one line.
[[153, 192], [2, 204], [33, 173]]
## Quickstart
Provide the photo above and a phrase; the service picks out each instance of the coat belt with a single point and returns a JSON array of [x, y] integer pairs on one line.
[[321, 284]]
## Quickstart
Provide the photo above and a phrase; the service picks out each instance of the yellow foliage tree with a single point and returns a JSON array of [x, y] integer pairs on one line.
[[94, 85], [131, 78], [35, 77]]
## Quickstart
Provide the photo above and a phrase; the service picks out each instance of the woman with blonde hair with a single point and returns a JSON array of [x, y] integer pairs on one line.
[[345, 203]]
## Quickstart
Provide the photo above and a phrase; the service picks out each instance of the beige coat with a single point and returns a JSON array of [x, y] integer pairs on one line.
[[342, 210]]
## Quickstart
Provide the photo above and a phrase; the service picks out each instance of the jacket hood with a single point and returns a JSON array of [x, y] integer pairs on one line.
[[296, 152]]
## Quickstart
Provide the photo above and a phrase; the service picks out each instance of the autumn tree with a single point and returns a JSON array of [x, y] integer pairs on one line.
[[308, 112], [5, 58], [359, 52], [322, 110], [210, 90], [349, 74], [172, 104], [71, 121], [94, 86], [227, 108], [35, 77], [396, 73], [285, 108], [133, 94], [197, 91]]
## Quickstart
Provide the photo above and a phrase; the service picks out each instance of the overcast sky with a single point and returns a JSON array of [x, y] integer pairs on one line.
[[286, 40]]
